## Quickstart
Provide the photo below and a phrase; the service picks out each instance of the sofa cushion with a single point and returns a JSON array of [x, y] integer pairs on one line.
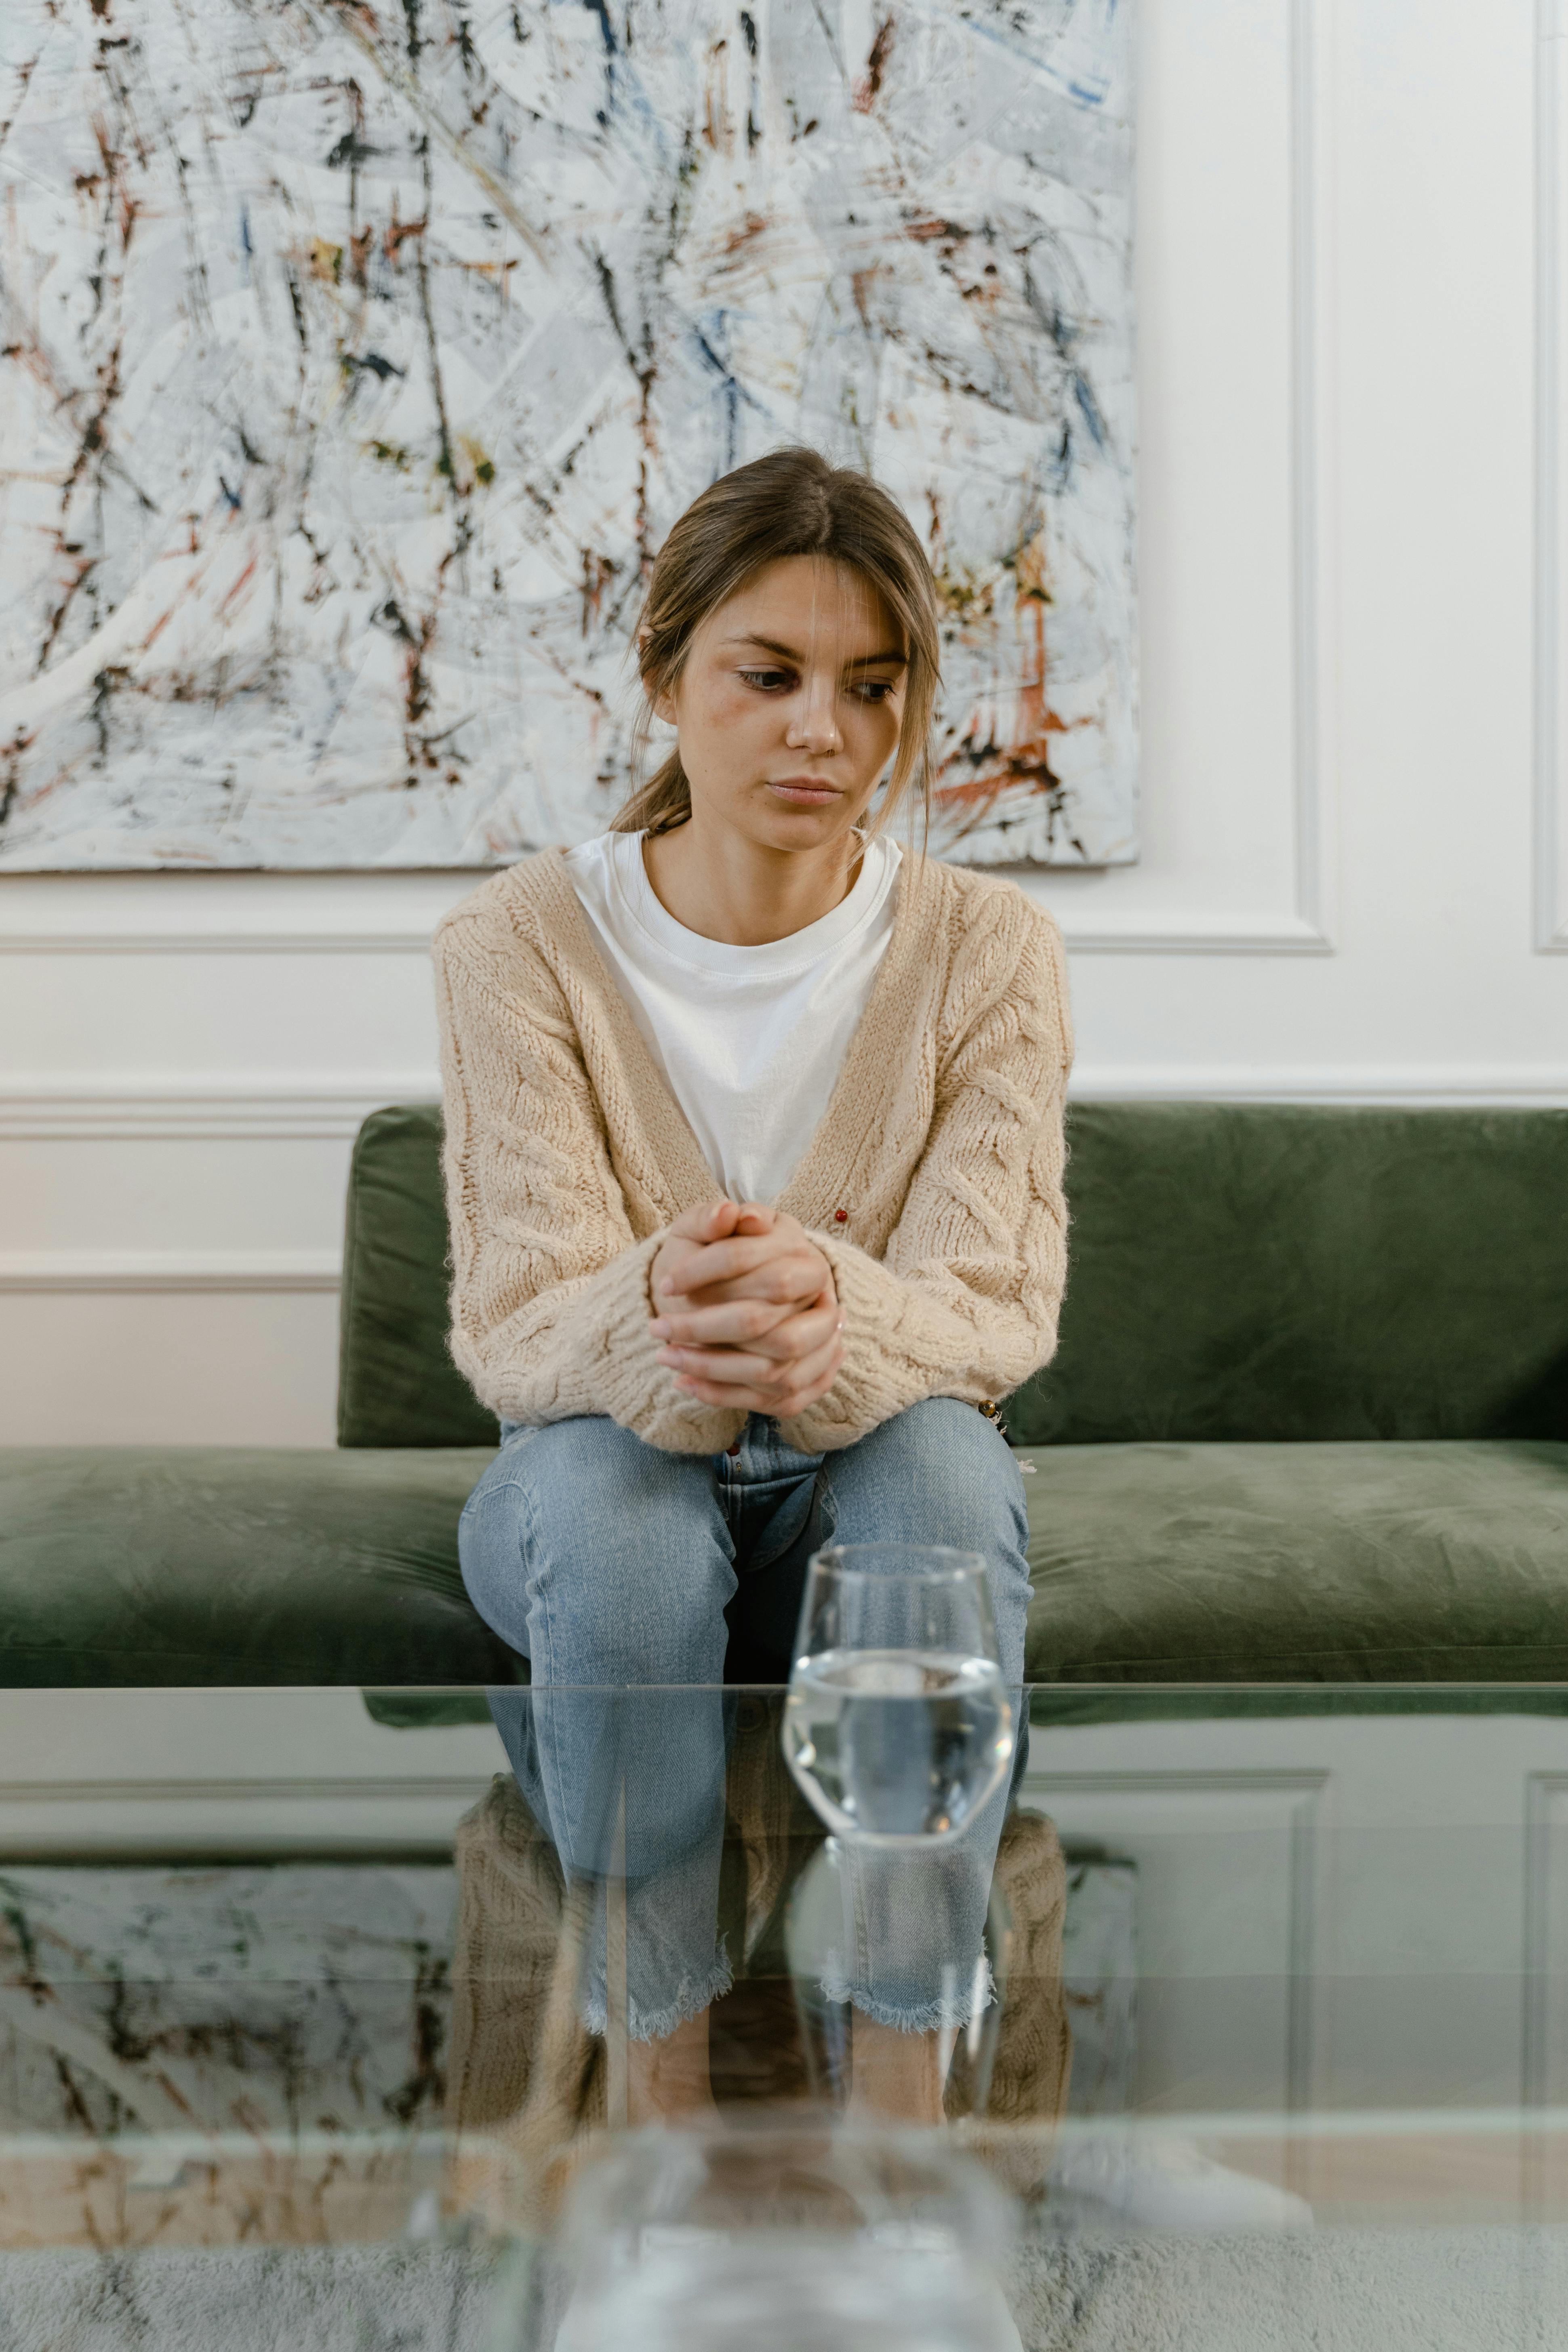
[[1150, 1563], [1277, 1271], [1256, 1270], [213, 1564], [397, 1385], [1432, 1562]]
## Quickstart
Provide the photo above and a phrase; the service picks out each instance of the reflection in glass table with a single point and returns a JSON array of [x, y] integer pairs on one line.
[[1267, 2035]]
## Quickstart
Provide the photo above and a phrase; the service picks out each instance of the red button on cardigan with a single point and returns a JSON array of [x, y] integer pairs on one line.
[[841, 1216]]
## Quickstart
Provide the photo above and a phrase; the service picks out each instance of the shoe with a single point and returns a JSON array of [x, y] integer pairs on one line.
[[1166, 2183]]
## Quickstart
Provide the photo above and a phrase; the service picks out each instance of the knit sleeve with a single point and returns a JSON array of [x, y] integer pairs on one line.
[[551, 1299], [966, 1299]]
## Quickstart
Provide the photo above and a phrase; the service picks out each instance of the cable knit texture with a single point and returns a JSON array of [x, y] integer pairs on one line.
[[567, 1159]]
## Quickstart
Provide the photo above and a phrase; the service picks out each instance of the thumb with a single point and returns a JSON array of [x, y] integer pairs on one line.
[[715, 1221]]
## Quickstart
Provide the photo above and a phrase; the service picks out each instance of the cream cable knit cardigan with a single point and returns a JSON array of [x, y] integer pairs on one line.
[[933, 1185]]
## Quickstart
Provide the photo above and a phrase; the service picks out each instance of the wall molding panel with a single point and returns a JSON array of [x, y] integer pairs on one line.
[[262, 1818], [388, 911], [1415, 1085], [225, 1271], [1139, 1812], [120, 938], [1551, 753], [1312, 443], [229, 1772], [1299, 932], [392, 911], [216, 1111], [1543, 2070], [203, 1109]]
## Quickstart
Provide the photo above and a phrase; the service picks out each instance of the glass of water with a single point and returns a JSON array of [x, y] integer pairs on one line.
[[896, 1725], [779, 2237]]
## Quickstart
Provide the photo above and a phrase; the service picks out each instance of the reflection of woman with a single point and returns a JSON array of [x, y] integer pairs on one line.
[[753, 1167]]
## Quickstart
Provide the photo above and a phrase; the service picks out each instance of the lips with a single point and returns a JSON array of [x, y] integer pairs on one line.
[[809, 791]]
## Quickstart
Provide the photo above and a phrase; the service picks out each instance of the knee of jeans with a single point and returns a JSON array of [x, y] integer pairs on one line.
[[957, 1475], [590, 1551]]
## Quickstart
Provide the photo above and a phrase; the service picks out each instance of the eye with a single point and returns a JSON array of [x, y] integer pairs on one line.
[[767, 681], [875, 689]]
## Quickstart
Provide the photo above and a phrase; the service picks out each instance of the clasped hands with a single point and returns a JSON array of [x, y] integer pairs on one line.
[[745, 1309]]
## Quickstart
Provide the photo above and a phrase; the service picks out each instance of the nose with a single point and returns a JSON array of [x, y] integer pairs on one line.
[[814, 724]]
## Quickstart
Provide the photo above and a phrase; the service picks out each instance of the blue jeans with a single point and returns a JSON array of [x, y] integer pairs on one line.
[[623, 1572]]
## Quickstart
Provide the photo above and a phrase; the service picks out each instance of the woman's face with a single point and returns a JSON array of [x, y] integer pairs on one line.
[[789, 706]]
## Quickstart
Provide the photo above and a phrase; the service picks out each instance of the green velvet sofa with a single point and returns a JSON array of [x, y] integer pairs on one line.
[[1307, 1422]]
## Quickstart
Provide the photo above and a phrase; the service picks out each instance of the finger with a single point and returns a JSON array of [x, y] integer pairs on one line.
[[681, 1252], [730, 1368], [683, 1320], [768, 1385], [722, 1260], [781, 1297], [799, 1276], [737, 1324], [725, 1368], [797, 1336], [710, 1222], [811, 1378], [782, 1401], [756, 1217]]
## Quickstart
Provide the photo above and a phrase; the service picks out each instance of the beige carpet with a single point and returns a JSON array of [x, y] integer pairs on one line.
[[1437, 2290], [1327, 2289]]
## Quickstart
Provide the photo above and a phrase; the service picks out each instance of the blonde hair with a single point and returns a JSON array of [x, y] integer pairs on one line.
[[791, 502]]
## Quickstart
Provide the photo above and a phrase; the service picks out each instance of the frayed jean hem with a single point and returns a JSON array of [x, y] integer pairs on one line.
[[952, 2009], [645, 2024]]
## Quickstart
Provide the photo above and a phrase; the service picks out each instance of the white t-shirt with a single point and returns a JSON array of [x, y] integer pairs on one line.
[[750, 1040]]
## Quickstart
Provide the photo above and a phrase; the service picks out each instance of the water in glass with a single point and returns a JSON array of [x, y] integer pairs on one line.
[[898, 1726]]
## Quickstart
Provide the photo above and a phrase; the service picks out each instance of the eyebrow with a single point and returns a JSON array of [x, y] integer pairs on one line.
[[863, 661]]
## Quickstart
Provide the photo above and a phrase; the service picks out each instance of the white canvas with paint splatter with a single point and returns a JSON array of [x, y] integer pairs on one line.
[[357, 356]]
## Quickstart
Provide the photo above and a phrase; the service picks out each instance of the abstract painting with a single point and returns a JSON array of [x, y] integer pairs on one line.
[[355, 356]]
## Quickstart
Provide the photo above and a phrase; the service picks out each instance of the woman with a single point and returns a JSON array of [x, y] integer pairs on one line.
[[754, 1159]]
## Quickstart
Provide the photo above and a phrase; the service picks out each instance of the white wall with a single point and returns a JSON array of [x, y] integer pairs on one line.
[[1354, 883]]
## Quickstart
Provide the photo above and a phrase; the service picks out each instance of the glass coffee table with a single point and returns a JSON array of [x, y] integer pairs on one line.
[[307, 2038]]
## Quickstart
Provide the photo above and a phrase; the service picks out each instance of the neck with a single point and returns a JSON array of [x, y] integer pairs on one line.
[[725, 887]]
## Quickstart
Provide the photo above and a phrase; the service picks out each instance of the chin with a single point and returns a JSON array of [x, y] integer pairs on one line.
[[788, 825]]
